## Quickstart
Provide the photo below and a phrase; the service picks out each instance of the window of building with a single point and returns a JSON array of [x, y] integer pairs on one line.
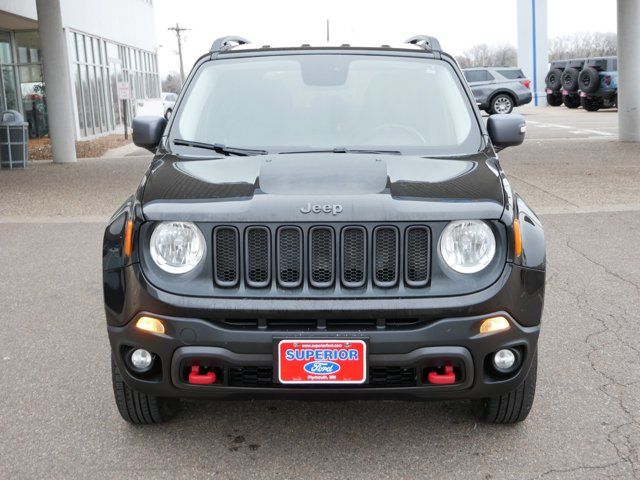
[[22, 85], [100, 65]]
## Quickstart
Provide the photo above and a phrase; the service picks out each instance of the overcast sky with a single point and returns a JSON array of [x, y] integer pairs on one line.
[[458, 24]]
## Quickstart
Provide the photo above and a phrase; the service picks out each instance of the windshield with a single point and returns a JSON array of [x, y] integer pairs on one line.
[[327, 102]]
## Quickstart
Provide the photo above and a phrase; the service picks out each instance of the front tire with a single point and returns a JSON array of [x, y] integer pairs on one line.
[[512, 407], [591, 104], [501, 103], [554, 99], [571, 101], [139, 408]]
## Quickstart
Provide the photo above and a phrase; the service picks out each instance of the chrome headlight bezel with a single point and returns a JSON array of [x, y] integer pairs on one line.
[[448, 244], [197, 247]]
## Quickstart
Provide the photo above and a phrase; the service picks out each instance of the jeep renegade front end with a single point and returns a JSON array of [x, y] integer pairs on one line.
[[324, 222]]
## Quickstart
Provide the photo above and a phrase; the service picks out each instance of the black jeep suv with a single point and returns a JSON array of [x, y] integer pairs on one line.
[[324, 222]]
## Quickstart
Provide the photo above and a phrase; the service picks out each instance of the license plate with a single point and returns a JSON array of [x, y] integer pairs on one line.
[[583, 94], [322, 361], [549, 90], [565, 92]]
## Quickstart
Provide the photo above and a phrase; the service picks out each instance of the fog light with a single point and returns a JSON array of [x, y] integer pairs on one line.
[[141, 359], [504, 360]]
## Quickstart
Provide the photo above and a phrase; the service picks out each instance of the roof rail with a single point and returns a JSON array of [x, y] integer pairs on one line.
[[224, 43], [426, 42]]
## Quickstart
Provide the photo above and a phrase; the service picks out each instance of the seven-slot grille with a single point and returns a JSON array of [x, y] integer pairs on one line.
[[322, 256]]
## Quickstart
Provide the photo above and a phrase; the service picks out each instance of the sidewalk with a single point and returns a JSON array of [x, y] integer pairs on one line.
[[128, 150], [91, 187]]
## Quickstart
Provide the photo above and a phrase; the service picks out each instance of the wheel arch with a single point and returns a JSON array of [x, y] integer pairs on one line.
[[504, 91]]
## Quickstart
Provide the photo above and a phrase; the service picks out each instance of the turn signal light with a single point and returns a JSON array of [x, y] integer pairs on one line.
[[517, 234], [150, 324], [128, 238], [494, 324]]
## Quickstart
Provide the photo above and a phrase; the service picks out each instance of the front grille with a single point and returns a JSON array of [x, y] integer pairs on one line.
[[379, 377], [258, 256], [418, 256], [385, 256], [316, 257], [289, 257], [321, 256], [330, 324], [226, 254], [354, 261]]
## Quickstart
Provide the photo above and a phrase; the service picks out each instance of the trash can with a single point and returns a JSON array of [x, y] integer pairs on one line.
[[14, 135]]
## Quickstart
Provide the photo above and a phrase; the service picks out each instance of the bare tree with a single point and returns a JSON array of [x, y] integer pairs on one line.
[[172, 83], [586, 44], [483, 55]]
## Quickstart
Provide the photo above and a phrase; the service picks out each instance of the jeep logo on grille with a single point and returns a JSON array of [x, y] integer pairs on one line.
[[326, 208]]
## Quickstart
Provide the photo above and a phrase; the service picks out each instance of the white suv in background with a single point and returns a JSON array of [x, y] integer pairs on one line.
[[168, 102]]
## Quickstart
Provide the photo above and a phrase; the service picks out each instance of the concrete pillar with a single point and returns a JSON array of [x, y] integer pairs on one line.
[[57, 81], [629, 70], [533, 55]]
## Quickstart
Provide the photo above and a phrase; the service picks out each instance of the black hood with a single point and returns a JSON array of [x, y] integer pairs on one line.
[[281, 187]]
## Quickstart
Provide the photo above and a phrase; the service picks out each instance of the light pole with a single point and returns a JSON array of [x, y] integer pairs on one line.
[[628, 70]]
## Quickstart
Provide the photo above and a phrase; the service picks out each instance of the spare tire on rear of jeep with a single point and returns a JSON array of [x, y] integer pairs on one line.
[[570, 79], [589, 80], [553, 78]]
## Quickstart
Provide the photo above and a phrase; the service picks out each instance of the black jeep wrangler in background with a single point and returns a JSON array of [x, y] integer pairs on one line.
[[569, 83], [553, 83], [324, 222], [598, 83]]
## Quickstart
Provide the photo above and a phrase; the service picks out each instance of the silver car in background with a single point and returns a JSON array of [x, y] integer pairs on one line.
[[498, 89]]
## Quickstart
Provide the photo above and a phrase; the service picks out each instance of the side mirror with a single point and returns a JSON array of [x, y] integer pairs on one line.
[[506, 130], [147, 131]]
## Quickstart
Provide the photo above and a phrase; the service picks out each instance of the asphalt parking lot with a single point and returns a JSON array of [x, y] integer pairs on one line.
[[57, 414]]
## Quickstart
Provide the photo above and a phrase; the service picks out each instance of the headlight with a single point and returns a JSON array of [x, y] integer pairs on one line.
[[177, 247], [467, 246]]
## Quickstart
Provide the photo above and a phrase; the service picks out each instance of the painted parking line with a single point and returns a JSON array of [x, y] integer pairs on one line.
[[572, 129]]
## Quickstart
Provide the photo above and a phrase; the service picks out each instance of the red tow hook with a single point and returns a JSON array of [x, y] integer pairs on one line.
[[446, 378], [196, 378]]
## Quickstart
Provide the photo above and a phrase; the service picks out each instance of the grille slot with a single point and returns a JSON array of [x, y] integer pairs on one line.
[[253, 376], [417, 256], [354, 264], [392, 377], [258, 257], [321, 257], [226, 256], [289, 257], [385, 256]]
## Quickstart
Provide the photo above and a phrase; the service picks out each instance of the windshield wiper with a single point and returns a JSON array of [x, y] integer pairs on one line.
[[348, 150], [220, 148]]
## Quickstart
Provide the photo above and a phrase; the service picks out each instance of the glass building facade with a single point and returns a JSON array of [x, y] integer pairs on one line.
[[97, 67], [21, 81]]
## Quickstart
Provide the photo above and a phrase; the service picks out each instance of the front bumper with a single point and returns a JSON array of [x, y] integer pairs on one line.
[[447, 331]]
